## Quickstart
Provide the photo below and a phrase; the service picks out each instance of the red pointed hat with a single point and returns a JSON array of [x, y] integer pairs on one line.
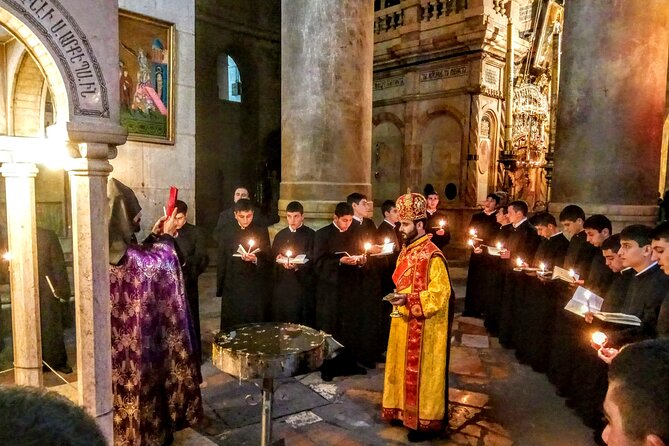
[[411, 206]]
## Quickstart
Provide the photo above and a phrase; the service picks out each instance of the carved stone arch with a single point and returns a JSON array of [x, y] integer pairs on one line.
[[378, 118], [444, 149], [28, 99]]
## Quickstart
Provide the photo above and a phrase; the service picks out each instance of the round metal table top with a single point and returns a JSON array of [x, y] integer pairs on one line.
[[268, 350]]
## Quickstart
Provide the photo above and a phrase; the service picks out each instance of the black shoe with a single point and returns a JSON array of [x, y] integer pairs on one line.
[[419, 436], [63, 368]]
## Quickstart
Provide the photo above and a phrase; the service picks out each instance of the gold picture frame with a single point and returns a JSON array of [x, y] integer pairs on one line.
[[146, 81]]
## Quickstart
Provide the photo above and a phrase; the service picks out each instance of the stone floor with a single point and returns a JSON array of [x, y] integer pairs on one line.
[[494, 401]]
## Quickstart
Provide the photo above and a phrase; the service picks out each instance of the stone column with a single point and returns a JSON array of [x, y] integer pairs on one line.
[[326, 102], [88, 182], [610, 117], [24, 279]]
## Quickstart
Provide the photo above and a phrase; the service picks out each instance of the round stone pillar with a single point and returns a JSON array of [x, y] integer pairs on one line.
[[326, 102], [23, 274], [611, 111]]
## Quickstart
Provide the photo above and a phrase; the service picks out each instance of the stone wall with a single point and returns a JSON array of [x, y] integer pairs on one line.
[[149, 168], [237, 142]]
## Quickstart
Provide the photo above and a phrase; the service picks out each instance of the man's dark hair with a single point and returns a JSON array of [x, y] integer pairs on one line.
[[519, 206], [429, 190], [181, 207], [343, 209], [387, 206], [32, 416], [495, 197], [421, 220], [243, 204], [612, 243], [598, 222], [295, 206], [640, 376], [572, 212], [544, 219], [504, 209], [355, 197], [637, 233], [661, 231]]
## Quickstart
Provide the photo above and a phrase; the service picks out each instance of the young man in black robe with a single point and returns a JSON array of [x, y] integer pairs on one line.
[[580, 252], [367, 280], [228, 215], [598, 228], [437, 223], [192, 245], [336, 306], [521, 244], [494, 280], [484, 226], [293, 296], [242, 279], [388, 230]]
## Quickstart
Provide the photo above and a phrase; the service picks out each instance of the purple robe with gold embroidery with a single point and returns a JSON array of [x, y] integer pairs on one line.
[[155, 377]]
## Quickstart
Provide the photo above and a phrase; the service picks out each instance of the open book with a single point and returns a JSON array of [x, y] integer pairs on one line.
[[297, 260], [618, 318], [386, 249], [358, 257], [563, 274], [242, 251], [494, 251], [584, 301]]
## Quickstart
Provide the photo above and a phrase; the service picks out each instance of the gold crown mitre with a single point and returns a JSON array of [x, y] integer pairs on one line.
[[411, 206]]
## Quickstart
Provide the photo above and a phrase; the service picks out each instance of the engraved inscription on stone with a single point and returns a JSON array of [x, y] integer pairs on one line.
[[69, 45], [443, 73], [390, 82], [491, 77]]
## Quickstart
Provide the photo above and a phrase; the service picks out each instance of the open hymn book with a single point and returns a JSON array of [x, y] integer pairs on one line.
[[585, 301], [386, 249], [563, 274], [242, 251], [297, 260]]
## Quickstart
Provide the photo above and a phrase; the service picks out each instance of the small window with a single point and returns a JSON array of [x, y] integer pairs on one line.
[[229, 80]]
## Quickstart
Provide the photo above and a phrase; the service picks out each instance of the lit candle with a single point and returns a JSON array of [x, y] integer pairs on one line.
[[7, 256], [386, 241], [288, 254], [542, 267], [472, 232], [368, 246], [498, 245], [599, 338], [519, 262], [441, 224], [572, 273], [470, 242], [251, 243]]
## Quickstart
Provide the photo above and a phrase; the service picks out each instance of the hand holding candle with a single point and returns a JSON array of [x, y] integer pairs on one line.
[[599, 340]]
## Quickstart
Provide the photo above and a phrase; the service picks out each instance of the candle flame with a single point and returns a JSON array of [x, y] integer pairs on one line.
[[542, 266], [519, 261], [251, 243], [7, 256], [386, 241], [472, 231], [498, 245], [442, 223], [368, 246], [599, 338], [289, 253], [571, 272], [470, 242]]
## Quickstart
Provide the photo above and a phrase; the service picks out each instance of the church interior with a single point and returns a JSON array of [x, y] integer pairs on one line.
[[552, 102]]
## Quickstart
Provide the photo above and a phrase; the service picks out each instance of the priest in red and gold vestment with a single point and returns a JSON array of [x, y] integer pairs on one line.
[[415, 390]]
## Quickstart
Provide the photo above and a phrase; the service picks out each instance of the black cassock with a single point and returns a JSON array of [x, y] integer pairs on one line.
[[479, 264], [243, 285], [51, 262], [293, 294], [192, 245], [494, 283]]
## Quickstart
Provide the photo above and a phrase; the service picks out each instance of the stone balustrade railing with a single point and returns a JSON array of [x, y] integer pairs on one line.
[[391, 18], [388, 19]]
